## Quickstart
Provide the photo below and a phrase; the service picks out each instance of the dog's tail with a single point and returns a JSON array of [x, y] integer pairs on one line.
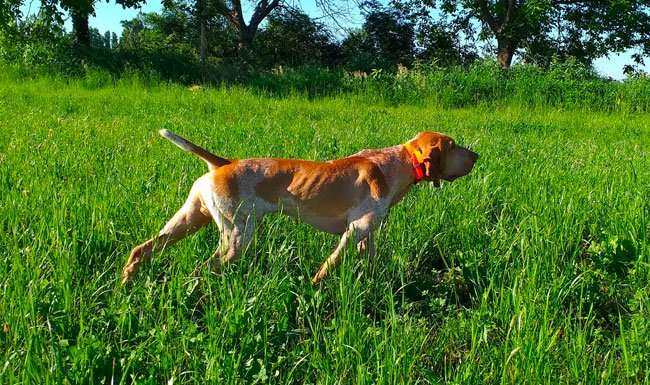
[[212, 160]]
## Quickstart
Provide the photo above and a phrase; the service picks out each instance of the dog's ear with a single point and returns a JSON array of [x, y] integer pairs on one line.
[[432, 146], [433, 168]]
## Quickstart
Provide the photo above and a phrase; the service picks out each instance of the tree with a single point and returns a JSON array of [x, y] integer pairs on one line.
[[131, 34], [9, 13], [80, 11], [233, 12], [175, 31], [114, 41], [204, 26], [292, 38], [508, 21], [436, 39], [437, 43], [9, 16], [96, 38], [385, 41], [107, 39], [584, 28]]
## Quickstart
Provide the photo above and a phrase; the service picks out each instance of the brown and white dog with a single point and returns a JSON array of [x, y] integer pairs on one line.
[[348, 196]]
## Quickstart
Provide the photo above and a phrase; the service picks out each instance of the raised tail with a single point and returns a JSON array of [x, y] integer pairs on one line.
[[212, 160]]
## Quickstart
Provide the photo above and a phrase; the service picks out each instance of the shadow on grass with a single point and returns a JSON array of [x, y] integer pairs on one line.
[[600, 288], [434, 286]]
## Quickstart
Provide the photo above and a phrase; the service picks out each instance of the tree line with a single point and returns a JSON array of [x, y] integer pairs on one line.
[[394, 33]]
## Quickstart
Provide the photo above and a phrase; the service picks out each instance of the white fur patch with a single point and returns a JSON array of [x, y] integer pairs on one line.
[[177, 140]]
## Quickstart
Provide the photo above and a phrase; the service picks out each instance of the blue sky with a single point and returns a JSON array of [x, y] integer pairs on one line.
[[108, 17]]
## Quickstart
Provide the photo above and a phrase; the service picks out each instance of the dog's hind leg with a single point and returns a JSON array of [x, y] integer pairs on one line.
[[191, 217], [236, 227], [235, 237]]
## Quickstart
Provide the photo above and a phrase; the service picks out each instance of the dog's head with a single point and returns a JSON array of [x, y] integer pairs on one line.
[[442, 157]]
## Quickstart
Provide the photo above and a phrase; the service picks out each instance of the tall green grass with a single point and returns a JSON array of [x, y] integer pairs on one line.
[[567, 86], [533, 269]]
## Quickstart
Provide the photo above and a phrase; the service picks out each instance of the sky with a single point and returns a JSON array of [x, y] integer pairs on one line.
[[108, 16]]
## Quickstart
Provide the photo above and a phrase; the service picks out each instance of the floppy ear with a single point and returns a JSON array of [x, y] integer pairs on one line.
[[433, 150], [433, 168]]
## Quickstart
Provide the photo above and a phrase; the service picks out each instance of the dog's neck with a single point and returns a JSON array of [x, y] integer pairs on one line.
[[396, 164]]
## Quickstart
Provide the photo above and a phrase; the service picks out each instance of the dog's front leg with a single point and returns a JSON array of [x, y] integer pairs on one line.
[[367, 244], [359, 229], [334, 258]]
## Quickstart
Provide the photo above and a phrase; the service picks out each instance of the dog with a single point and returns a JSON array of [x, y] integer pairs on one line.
[[348, 196]]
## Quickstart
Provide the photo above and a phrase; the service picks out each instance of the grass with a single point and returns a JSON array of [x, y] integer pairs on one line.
[[564, 85], [533, 269]]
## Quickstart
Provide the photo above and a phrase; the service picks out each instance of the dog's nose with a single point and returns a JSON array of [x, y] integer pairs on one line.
[[475, 156]]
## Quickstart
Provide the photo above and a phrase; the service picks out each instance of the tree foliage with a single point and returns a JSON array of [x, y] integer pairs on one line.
[[587, 30], [9, 13], [9, 16], [385, 41], [543, 29], [292, 38], [394, 33], [80, 12]]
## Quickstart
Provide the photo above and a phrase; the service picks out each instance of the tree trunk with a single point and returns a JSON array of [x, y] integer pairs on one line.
[[80, 28], [204, 41], [203, 30], [246, 35], [505, 51]]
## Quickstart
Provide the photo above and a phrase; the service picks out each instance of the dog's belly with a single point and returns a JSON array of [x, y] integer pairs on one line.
[[334, 225], [330, 225]]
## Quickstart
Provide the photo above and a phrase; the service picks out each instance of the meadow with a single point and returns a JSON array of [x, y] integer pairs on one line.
[[534, 269]]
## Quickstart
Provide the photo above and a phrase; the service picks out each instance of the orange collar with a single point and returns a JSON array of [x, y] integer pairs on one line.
[[417, 161]]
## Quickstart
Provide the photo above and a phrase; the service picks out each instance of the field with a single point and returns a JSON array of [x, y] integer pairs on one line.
[[533, 269]]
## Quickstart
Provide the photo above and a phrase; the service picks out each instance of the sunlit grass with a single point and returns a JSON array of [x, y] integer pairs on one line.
[[533, 269]]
